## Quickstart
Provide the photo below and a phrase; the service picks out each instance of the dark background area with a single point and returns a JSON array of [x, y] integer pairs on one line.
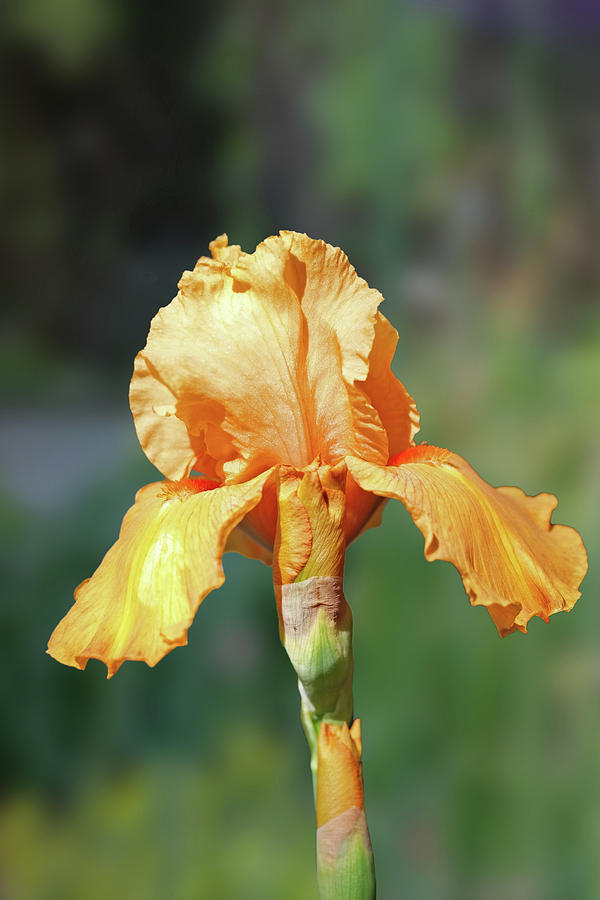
[[453, 151]]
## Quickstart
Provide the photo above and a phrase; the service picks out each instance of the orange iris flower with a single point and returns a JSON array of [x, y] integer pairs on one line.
[[267, 365]]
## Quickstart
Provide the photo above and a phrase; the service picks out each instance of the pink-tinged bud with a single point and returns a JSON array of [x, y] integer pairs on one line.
[[344, 855]]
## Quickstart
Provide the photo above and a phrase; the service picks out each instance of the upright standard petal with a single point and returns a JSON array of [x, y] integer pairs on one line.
[[337, 311], [163, 434], [510, 557], [231, 354], [142, 599], [340, 310], [274, 357], [396, 408]]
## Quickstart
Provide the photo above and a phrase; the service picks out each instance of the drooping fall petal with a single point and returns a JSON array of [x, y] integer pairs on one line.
[[142, 599], [510, 557]]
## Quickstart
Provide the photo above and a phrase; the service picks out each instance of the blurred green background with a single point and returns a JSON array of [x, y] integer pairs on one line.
[[454, 153]]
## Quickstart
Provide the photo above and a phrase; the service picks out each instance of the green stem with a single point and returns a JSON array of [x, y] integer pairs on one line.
[[311, 730], [317, 635]]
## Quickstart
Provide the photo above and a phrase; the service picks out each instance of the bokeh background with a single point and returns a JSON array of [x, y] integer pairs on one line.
[[453, 150]]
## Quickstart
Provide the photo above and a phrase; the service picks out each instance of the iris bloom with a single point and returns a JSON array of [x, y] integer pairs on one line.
[[267, 375], [265, 396]]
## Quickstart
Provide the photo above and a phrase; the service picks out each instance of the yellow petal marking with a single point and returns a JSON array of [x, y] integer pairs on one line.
[[142, 599]]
